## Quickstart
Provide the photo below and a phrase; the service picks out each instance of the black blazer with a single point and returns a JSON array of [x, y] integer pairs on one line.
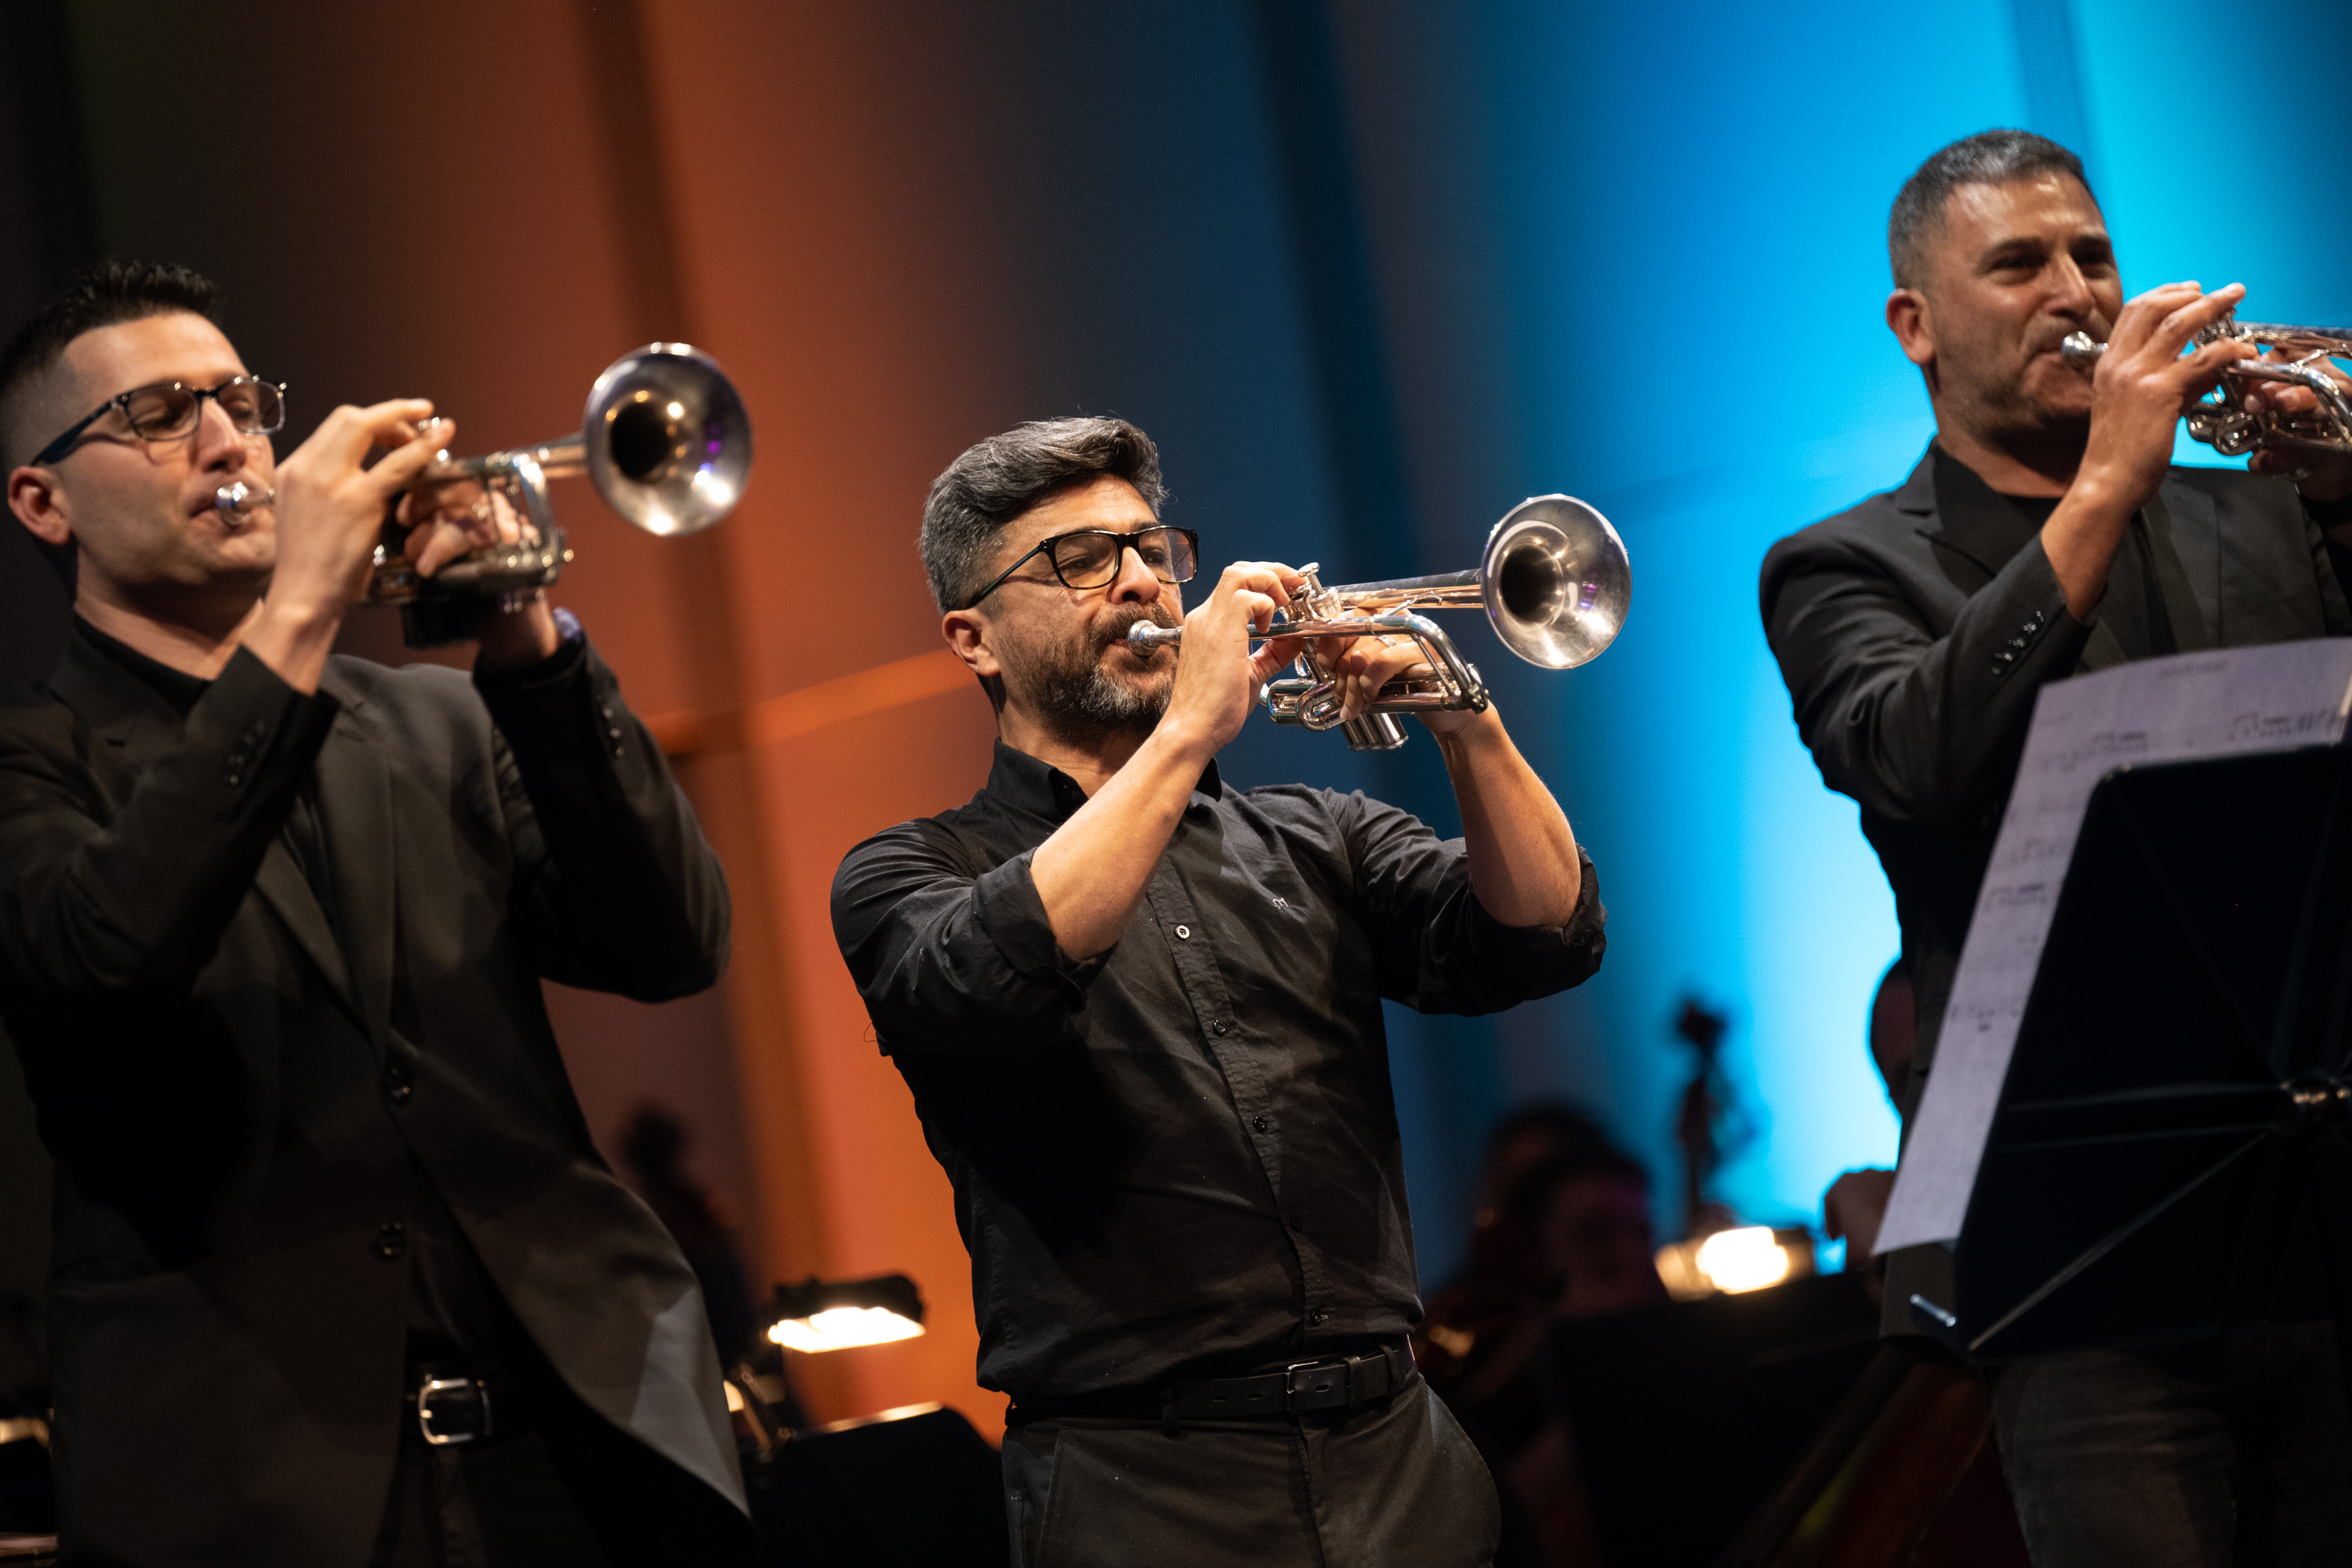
[[1913, 651], [238, 1085]]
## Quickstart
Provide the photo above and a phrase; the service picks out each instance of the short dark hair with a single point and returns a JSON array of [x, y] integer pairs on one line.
[[997, 479], [105, 294], [1987, 158]]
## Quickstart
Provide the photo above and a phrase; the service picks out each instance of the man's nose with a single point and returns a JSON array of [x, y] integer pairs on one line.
[[219, 442], [1135, 583], [2070, 291]]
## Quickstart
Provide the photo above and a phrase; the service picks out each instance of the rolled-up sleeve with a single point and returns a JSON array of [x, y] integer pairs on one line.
[[950, 957], [1440, 950]]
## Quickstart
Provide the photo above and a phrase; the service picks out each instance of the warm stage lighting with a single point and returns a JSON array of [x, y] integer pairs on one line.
[[821, 1315], [1732, 1261]]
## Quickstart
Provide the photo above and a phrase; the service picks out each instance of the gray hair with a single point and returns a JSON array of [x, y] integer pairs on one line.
[[1988, 158], [997, 479]]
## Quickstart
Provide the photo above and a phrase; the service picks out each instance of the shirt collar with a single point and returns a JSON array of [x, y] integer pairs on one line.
[[1043, 790], [175, 686], [1979, 522]]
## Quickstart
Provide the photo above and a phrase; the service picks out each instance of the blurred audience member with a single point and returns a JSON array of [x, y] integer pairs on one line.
[[1504, 1278], [1857, 1201], [1569, 1237]]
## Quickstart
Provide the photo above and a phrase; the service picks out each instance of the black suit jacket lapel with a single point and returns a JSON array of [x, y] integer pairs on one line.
[[2184, 542], [355, 799], [134, 727]]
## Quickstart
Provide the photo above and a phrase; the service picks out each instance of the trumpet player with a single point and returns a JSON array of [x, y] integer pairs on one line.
[[1140, 1013], [2044, 533], [338, 1278]]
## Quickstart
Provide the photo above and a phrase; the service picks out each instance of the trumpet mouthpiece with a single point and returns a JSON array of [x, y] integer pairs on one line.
[[237, 503], [2080, 350], [1144, 636]]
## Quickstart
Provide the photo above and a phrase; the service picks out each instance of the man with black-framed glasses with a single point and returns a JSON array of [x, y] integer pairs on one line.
[[1141, 1014], [337, 1276]]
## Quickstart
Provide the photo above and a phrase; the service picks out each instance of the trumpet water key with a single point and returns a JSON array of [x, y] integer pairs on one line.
[[665, 441], [2232, 421], [1553, 580]]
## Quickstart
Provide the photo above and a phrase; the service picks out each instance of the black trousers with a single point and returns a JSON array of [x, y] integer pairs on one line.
[[1390, 1486], [2232, 1451], [574, 1491]]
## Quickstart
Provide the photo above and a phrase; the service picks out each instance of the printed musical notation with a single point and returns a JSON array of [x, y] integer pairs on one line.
[[2180, 709]]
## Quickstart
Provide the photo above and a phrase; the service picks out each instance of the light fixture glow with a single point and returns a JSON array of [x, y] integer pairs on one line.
[[1747, 1258], [819, 1315], [838, 1328], [1728, 1262]]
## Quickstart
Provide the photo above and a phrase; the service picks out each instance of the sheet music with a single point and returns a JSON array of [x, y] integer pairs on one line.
[[2188, 706]]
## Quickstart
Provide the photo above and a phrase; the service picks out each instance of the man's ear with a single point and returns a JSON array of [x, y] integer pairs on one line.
[[1908, 318], [967, 635], [33, 497]]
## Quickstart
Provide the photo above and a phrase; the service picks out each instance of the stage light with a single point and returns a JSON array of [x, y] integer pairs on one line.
[[830, 1315], [1731, 1262]]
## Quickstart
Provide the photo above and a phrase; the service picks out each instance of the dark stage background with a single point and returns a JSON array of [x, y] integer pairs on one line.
[[1370, 272]]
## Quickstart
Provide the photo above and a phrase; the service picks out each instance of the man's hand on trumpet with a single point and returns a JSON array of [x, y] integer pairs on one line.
[[2323, 476], [446, 521], [1360, 666]]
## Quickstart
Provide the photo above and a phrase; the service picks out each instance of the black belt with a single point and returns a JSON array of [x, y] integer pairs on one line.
[[1332, 1382], [449, 1408]]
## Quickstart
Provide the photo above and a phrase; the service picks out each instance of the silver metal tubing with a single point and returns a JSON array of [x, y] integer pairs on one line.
[[2232, 421], [664, 438], [1553, 580]]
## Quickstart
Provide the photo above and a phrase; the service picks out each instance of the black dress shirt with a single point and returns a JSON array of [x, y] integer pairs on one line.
[[1178, 1158]]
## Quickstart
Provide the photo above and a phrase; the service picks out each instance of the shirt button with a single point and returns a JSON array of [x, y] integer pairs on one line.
[[391, 1240], [1299, 1222], [396, 1085], [1218, 1027], [1318, 1316], [1260, 1123], [1183, 933]]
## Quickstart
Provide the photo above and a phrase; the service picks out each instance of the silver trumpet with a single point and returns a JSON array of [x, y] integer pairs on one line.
[[1553, 579], [665, 441], [2232, 421]]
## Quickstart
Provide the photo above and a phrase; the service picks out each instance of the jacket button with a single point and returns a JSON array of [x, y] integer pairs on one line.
[[1260, 1123], [1218, 1027], [1299, 1222], [1319, 1315], [1183, 933], [396, 1085], [391, 1240]]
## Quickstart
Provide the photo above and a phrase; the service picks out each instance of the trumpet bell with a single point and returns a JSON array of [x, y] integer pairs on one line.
[[1555, 582], [666, 441]]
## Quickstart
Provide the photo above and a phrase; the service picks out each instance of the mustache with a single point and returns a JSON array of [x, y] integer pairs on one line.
[[1115, 631]]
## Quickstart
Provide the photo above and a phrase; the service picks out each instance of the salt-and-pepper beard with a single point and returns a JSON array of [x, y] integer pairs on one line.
[[1076, 698]]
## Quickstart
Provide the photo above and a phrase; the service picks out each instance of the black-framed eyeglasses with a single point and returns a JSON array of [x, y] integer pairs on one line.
[[1090, 557], [169, 409]]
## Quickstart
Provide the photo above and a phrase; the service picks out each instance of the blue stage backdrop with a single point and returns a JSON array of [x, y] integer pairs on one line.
[[1637, 254], [1373, 271]]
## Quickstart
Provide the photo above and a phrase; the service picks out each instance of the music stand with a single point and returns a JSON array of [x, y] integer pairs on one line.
[[2169, 1161]]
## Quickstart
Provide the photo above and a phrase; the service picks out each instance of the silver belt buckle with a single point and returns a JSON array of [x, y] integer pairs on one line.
[[1291, 1391], [476, 1394]]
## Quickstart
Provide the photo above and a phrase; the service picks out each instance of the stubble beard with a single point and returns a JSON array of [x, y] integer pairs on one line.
[[2003, 411], [1078, 699]]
